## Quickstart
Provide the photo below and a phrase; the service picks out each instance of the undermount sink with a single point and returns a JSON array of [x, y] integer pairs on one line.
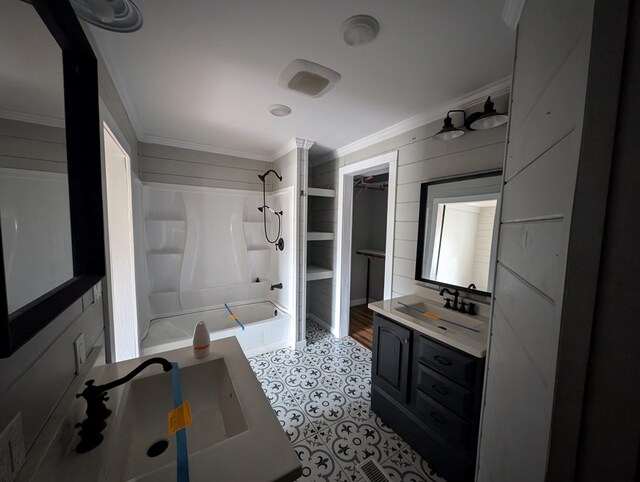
[[215, 409], [442, 318]]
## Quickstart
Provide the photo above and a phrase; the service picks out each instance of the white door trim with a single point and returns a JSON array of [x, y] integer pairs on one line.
[[342, 290]]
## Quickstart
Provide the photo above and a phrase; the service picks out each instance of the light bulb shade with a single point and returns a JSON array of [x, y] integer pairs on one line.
[[114, 15], [488, 119], [448, 131]]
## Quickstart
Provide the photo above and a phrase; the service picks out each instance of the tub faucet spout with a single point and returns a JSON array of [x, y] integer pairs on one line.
[[276, 287]]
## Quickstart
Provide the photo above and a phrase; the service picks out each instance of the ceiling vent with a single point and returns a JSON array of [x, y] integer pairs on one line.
[[308, 78]]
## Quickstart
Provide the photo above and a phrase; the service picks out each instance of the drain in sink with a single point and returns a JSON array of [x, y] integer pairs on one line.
[[157, 448]]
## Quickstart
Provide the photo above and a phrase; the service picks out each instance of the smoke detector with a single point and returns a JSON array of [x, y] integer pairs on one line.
[[308, 78], [114, 15], [359, 30]]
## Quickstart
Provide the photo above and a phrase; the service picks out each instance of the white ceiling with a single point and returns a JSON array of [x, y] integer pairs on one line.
[[202, 74]]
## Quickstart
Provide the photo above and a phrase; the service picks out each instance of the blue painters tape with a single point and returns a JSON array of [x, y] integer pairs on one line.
[[181, 435], [234, 317]]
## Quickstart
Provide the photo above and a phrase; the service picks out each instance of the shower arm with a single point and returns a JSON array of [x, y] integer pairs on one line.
[[264, 176]]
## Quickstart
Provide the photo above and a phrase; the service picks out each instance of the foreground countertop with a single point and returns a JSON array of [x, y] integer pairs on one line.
[[464, 340], [261, 453]]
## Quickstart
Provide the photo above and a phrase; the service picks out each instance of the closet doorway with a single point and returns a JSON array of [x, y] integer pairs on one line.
[[366, 220], [368, 243]]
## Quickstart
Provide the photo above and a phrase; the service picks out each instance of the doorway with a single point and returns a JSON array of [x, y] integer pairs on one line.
[[368, 242], [122, 318], [364, 241]]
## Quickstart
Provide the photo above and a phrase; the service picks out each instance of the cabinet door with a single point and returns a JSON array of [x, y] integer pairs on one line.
[[391, 344]]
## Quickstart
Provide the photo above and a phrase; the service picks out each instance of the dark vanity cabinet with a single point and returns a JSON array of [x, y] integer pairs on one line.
[[429, 393]]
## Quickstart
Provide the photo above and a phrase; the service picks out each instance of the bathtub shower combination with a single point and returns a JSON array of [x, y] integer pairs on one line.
[[205, 248], [266, 328]]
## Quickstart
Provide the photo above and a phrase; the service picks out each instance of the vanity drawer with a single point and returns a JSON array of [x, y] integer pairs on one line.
[[452, 364], [450, 394], [443, 421]]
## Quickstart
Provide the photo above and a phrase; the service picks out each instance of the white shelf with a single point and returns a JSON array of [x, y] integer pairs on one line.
[[158, 220], [164, 252], [319, 236], [316, 191], [318, 272]]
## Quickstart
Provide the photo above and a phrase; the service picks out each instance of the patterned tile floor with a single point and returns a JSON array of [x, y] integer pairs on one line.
[[322, 397]]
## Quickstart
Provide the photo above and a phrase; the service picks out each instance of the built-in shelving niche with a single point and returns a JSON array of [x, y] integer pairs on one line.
[[314, 272]]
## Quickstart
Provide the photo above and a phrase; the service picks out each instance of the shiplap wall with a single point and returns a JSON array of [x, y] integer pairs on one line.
[[35, 377], [33, 147], [175, 165], [420, 159], [545, 133]]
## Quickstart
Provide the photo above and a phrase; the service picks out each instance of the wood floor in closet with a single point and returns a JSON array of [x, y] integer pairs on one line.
[[361, 325]]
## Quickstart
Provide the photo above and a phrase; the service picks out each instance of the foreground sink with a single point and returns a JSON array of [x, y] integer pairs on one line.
[[234, 435], [440, 317], [215, 409]]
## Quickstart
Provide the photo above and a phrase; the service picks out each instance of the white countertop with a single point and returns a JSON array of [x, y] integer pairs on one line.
[[261, 453], [464, 340]]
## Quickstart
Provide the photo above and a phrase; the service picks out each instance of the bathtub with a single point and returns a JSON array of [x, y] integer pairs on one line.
[[267, 328]]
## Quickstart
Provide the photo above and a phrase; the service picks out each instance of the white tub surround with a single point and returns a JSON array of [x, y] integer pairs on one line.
[[258, 451], [472, 342], [266, 328], [206, 247]]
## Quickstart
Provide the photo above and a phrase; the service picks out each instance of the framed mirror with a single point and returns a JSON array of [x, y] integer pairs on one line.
[[52, 246], [457, 230]]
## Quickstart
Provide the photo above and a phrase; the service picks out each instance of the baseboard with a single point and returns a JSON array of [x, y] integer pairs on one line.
[[322, 323], [359, 301], [267, 348]]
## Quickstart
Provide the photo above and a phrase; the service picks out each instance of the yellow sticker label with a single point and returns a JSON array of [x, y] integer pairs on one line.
[[233, 317], [179, 418]]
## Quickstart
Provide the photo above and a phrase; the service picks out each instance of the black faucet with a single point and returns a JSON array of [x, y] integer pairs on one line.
[[276, 287], [455, 294], [97, 412]]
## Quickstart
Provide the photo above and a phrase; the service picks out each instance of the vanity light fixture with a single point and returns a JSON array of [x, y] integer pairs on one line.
[[487, 119], [449, 131]]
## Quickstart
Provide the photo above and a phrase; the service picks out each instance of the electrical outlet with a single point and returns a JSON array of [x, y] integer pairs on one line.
[[80, 352], [12, 453]]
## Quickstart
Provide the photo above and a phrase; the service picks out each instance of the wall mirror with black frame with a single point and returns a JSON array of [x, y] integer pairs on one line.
[[457, 232], [50, 176]]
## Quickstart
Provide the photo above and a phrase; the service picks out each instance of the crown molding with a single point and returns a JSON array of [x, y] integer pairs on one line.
[[290, 145], [32, 118], [107, 54], [511, 12], [304, 143], [166, 141], [463, 102]]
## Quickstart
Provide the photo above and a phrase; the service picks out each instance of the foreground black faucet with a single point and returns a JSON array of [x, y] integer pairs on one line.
[[276, 287], [97, 412]]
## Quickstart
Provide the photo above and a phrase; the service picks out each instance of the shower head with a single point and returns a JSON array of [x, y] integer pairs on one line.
[[264, 176]]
